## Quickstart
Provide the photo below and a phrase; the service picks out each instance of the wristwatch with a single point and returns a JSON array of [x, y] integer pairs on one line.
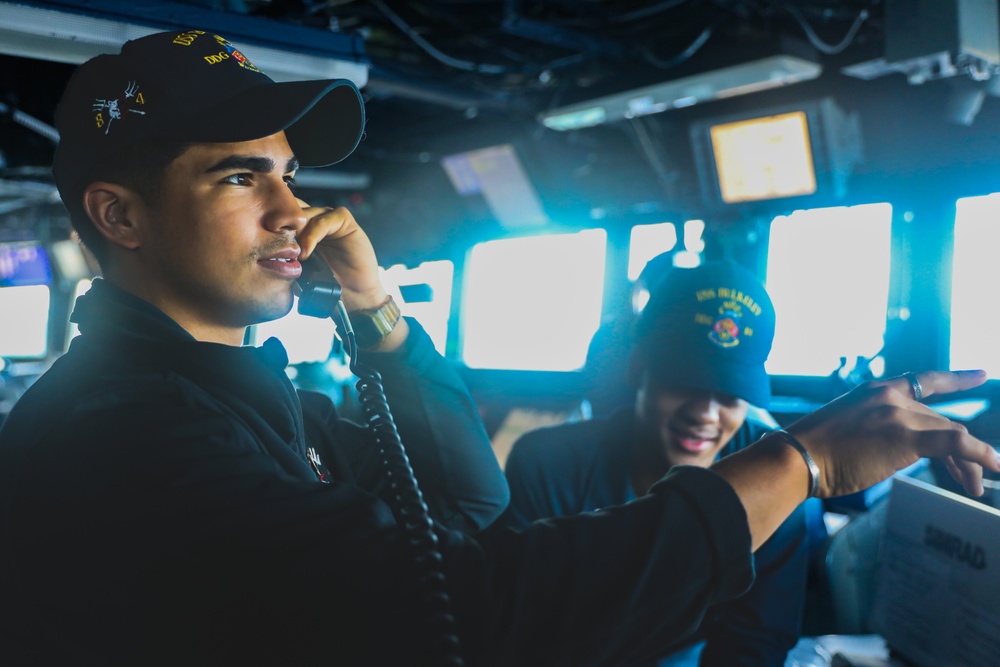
[[372, 325]]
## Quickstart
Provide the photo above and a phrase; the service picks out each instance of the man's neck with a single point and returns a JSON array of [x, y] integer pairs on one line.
[[207, 333], [200, 329]]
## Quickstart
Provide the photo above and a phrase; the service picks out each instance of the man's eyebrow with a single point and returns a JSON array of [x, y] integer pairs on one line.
[[244, 162], [251, 163]]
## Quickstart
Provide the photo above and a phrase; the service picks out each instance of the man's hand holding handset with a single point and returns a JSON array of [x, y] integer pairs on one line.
[[336, 237]]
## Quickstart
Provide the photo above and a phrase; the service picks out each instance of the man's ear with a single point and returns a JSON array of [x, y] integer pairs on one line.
[[112, 207]]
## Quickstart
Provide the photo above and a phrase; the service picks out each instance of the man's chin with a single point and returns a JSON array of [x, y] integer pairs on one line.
[[274, 309], [681, 457]]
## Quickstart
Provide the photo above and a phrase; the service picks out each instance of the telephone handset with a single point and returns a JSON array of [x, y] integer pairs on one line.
[[319, 291], [319, 296]]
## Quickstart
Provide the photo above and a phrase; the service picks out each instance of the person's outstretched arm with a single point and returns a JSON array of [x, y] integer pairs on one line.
[[857, 440]]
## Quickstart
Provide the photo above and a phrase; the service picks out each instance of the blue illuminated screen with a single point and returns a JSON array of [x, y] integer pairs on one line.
[[24, 263]]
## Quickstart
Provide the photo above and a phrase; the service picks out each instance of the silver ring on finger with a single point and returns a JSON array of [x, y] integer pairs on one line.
[[918, 391]]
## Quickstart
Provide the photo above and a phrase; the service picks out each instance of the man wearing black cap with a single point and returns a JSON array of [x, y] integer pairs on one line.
[[697, 362], [161, 497], [158, 429]]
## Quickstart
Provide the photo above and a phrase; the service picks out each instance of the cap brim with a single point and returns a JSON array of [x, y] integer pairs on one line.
[[323, 120], [747, 381]]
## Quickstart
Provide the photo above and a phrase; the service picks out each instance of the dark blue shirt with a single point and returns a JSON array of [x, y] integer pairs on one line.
[[584, 466]]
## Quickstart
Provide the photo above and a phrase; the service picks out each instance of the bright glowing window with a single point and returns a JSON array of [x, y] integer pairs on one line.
[[828, 276], [973, 316], [82, 287], [26, 319], [646, 242], [306, 339], [533, 303], [424, 293]]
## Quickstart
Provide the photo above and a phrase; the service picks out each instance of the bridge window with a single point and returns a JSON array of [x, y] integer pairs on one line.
[[974, 316], [533, 303], [25, 313], [306, 339], [424, 293], [828, 275], [646, 242]]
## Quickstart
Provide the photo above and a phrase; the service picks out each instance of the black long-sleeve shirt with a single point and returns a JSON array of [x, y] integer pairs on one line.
[[157, 507], [582, 466]]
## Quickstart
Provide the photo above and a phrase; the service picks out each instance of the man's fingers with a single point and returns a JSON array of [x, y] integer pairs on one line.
[[969, 475], [324, 223], [964, 455], [937, 382]]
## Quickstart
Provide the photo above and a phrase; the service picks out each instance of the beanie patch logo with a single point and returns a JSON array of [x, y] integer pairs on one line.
[[230, 52], [108, 110]]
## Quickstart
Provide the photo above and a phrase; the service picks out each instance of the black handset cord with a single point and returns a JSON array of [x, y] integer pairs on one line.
[[411, 512]]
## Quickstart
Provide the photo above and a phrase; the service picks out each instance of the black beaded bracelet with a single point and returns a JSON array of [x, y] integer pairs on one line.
[[814, 472]]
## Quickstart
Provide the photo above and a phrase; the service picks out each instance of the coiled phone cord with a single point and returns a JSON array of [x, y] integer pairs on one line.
[[408, 506]]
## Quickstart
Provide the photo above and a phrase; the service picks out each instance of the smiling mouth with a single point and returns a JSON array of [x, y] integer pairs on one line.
[[691, 443]]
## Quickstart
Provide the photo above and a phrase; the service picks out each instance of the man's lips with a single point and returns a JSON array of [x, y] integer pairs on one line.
[[692, 442], [284, 263]]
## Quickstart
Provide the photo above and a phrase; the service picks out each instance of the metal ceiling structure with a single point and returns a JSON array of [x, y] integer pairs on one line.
[[509, 56], [445, 76]]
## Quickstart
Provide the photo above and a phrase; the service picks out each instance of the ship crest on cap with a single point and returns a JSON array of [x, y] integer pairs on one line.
[[726, 327], [725, 331], [107, 110], [230, 52]]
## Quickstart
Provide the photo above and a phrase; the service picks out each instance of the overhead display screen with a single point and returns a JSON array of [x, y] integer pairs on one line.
[[764, 158]]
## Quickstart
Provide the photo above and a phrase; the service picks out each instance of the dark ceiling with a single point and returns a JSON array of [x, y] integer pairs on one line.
[[454, 75]]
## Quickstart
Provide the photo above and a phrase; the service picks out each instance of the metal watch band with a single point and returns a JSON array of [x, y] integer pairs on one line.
[[372, 325]]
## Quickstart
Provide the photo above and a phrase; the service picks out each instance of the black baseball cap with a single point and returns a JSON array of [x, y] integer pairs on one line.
[[193, 85], [709, 327]]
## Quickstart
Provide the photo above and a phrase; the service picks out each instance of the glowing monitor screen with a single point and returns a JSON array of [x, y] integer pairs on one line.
[[764, 158]]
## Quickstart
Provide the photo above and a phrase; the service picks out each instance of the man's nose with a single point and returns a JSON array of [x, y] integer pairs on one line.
[[704, 406], [283, 211]]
